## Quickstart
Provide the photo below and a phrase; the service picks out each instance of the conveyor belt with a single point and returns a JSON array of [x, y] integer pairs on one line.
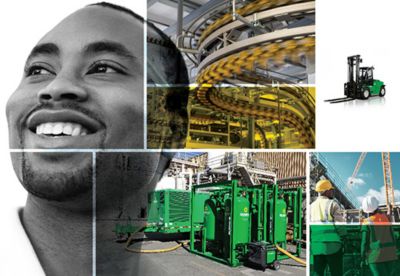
[[198, 120], [271, 54], [278, 49], [250, 8]]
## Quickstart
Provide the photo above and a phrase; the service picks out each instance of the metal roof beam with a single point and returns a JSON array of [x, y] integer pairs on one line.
[[195, 15], [151, 3], [187, 5]]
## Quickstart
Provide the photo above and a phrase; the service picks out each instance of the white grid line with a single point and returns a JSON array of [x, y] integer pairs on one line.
[[145, 86], [307, 213], [94, 214], [159, 150]]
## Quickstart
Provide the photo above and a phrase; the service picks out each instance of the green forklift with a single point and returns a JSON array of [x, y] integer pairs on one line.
[[360, 82]]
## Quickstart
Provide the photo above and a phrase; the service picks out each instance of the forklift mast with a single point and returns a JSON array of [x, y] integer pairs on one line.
[[354, 68]]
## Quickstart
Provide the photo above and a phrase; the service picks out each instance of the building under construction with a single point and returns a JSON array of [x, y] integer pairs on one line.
[[357, 228], [252, 69], [320, 168]]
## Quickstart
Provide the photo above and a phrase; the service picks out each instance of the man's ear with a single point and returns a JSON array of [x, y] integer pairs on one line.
[[167, 117], [178, 129], [177, 105]]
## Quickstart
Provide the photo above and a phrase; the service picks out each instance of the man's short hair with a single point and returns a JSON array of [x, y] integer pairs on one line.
[[118, 8]]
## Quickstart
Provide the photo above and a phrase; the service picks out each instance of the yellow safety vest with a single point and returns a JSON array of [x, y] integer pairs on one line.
[[324, 237], [321, 210]]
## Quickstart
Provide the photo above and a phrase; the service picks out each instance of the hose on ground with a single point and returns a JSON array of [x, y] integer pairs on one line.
[[290, 255], [163, 250]]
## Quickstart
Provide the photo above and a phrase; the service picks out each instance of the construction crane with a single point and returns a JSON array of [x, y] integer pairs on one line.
[[357, 168], [387, 177]]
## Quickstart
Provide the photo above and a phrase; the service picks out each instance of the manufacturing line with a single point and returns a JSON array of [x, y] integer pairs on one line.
[[231, 47]]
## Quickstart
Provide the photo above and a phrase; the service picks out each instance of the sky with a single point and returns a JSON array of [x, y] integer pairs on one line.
[[369, 180]]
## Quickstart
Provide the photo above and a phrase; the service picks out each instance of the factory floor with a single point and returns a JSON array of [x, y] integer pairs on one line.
[[112, 259], [182, 262]]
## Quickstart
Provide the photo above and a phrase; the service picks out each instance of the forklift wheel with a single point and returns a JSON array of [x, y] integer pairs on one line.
[[276, 265], [382, 92], [366, 94]]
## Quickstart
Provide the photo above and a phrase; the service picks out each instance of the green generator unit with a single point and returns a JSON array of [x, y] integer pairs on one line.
[[245, 224], [169, 210]]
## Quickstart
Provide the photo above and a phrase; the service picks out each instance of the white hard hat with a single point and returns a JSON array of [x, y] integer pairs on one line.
[[369, 204]]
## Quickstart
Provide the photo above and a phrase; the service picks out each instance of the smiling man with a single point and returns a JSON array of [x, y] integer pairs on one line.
[[82, 85], [82, 89]]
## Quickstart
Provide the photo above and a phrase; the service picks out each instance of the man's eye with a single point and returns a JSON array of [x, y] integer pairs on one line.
[[103, 69], [37, 70]]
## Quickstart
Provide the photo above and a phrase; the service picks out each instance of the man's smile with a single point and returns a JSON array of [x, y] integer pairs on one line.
[[59, 129], [62, 128]]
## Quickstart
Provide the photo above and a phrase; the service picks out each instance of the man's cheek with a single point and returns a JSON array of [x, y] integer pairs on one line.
[[16, 105], [125, 124], [20, 102], [131, 127], [16, 159], [129, 111]]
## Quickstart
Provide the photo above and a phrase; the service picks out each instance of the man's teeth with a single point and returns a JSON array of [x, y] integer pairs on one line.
[[59, 128]]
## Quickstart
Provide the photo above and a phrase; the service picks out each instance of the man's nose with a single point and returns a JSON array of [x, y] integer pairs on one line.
[[63, 89]]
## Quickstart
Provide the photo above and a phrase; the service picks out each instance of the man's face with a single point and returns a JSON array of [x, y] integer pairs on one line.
[[330, 194], [82, 88]]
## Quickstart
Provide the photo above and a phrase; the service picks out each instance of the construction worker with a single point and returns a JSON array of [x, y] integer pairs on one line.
[[326, 243], [378, 246]]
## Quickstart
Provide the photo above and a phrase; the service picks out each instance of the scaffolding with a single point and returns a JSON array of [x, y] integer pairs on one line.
[[321, 169]]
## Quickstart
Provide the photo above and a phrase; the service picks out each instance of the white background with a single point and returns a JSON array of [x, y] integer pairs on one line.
[[344, 28], [368, 28], [22, 24]]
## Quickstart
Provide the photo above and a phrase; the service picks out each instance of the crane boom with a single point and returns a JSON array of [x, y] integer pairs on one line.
[[387, 177], [358, 166]]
